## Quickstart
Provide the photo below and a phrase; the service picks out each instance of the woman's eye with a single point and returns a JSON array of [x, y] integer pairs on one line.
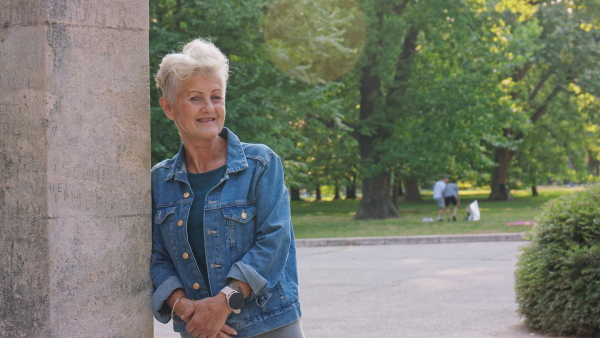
[[195, 98], [216, 98]]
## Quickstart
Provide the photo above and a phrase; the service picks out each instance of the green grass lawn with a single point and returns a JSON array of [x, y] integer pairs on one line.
[[328, 219]]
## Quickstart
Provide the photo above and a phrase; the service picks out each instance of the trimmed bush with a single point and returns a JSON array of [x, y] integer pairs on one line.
[[558, 273]]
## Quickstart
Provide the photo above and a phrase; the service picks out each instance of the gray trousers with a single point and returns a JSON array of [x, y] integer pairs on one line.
[[292, 330]]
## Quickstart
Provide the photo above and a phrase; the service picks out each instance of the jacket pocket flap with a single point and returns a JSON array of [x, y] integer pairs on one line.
[[240, 213], [161, 214]]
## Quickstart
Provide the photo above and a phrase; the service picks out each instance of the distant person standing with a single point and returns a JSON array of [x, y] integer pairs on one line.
[[451, 196], [438, 196]]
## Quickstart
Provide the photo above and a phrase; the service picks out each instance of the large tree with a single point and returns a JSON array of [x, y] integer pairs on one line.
[[558, 147], [423, 96], [550, 50], [445, 112]]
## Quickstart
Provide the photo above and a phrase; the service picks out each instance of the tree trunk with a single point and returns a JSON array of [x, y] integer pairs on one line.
[[593, 164], [379, 204], [295, 194], [396, 190], [351, 187], [500, 189], [351, 191], [411, 185], [337, 197], [534, 191], [318, 194], [376, 202]]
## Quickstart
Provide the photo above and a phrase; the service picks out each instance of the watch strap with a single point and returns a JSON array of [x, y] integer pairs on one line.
[[228, 291]]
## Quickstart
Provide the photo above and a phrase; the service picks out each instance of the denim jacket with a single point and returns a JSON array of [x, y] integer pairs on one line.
[[248, 237]]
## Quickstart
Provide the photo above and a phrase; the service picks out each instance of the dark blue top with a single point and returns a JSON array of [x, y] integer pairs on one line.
[[201, 184]]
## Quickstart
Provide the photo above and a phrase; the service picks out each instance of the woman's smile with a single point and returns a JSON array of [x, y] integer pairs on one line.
[[205, 120]]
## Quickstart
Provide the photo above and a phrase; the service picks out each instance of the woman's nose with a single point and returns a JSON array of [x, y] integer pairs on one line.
[[207, 107]]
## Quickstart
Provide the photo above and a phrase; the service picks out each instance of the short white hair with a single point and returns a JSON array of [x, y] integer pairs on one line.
[[198, 57]]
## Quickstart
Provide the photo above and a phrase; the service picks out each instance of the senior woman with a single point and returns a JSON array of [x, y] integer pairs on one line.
[[223, 253]]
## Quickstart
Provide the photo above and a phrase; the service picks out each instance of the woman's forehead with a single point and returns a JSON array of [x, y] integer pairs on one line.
[[202, 84]]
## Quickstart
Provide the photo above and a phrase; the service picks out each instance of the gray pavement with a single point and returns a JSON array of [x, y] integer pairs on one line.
[[455, 288]]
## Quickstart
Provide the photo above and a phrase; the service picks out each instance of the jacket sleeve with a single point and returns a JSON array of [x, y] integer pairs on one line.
[[264, 263], [164, 276]]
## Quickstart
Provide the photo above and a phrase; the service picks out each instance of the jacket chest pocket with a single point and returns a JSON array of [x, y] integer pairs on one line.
[[162, 215], [241, 220]]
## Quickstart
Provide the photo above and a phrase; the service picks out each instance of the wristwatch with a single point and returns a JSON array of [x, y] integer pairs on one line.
[[235, 300]]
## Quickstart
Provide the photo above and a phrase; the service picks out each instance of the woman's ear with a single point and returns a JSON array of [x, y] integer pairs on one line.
[[167, 108]]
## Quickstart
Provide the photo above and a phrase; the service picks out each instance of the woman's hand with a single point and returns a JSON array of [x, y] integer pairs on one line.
[[208, 318], [185, 308], [226, 332]]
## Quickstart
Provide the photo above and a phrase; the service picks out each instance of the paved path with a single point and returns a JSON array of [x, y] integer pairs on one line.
[[421, 290]]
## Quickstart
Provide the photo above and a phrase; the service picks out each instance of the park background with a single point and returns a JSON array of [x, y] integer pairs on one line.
[[369, 102]]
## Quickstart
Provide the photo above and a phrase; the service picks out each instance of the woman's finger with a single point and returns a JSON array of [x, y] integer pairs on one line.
[[228, 330]]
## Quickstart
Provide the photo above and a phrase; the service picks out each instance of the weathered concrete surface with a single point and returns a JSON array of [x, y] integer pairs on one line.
[[74, 169], [452, 290]]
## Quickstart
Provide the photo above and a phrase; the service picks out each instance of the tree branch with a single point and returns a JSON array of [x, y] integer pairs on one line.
[[331, 124], [521, 72], [518, 76], [544, 107], [539, 86], [541, 110], [404, 65], [400, 8]]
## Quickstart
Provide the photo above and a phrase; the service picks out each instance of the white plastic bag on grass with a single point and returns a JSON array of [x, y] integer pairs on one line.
[[473, 210]]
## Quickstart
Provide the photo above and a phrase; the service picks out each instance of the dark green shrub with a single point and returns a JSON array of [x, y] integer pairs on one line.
[[558, 273]]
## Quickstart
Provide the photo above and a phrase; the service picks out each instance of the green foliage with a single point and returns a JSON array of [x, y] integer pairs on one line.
[[315, 41], [437, 103], [558, 273], [546, 59], [446, 113], [556, 148], [440, 105], [165, 137]]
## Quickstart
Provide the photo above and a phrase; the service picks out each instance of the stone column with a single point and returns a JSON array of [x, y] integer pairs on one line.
[[75, 231]]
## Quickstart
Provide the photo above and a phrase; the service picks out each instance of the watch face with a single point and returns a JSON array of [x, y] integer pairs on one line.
[[236, 300]]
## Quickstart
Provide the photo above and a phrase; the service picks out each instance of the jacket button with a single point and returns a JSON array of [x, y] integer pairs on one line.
[[244, 215], [186, 195], [196, 286], [185, 255], [180, 223]]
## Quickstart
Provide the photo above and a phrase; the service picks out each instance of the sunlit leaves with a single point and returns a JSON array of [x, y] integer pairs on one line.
[[315, 41], [521, 7]]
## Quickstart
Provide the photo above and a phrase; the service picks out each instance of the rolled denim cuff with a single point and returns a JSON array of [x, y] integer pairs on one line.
[[248, 275], [162, 312]]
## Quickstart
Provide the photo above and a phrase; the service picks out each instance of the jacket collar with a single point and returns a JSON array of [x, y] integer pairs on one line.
[[236, 158]]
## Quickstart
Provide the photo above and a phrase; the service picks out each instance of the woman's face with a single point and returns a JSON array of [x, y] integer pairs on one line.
[[199, 111]]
